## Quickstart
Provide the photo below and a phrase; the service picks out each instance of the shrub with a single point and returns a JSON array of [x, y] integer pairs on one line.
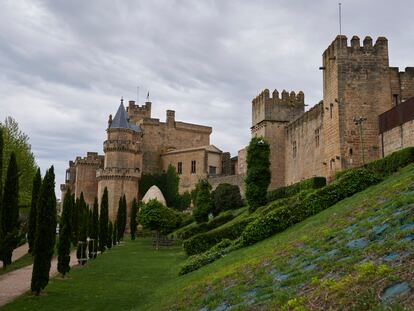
[[258, 172], [197, 261], [203, 241], [203, 203], [206, 226], [393, 162], [226, 197], [37, 182], [103, 221], [287, 215], [283, 192], [132, 220]]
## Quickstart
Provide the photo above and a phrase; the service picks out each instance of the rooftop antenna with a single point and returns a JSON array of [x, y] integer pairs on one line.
[[137, 95], [340, 18], [148, 96], [122, 99]]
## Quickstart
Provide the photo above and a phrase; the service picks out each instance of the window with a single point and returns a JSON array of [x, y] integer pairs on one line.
[[395, 99], [350, 152], [317, 138], [180, 168], [330, 110], [295, 149], [212, 170], [193, 167]]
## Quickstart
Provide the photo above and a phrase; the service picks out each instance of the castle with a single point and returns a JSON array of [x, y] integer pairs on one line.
[[367, 112], [138, 144]]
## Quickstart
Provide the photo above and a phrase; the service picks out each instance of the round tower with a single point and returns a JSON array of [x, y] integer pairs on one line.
[[122, 164]]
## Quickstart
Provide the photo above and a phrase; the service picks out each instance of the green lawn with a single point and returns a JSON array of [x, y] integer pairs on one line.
[[123, 278], [19, 263]]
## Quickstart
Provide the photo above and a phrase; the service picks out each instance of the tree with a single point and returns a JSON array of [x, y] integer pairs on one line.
[[94, 231], [83, 214], [18, 142], [226, 197], [204, 203], [1, 178], [10, 212], [45, 233], [157, 217], [115, 234], [172, 181], [133, 219], [103, 221], [75, 220], [65, 235], [184, 201], [110, 233], [258, 172], [37, 182], [121, 217]]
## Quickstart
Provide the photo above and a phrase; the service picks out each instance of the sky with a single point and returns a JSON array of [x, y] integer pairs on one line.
[[64, 65]]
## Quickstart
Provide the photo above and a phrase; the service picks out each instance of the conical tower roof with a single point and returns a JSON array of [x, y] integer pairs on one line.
[[154, 193], [120, 121]]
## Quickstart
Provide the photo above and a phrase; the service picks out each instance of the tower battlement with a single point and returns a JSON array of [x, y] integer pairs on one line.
[[137, 112], [340, 45], [283, 99], [92, 158]]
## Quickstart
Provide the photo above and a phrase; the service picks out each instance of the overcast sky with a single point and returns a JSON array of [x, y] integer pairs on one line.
[[64, 65]]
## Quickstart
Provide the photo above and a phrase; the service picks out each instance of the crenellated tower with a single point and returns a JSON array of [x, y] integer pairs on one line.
[[356, 84], [270, 115], [123, 162]]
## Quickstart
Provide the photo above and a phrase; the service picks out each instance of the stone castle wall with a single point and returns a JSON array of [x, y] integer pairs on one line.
[[237, 180]]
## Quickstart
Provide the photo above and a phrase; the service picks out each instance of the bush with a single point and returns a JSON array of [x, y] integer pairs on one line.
[[204, 241], [206, 226], [287, 215], [258, 172], [203, 203], [393, 162], [197, 261], [284, 192], [226, 197]]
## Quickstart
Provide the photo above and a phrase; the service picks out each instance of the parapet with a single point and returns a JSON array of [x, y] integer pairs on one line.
[[92, 158], [286, 99], [341, 44], [136, 111]]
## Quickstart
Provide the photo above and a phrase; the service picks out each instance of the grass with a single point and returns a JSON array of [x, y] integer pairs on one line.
[[123, 278]]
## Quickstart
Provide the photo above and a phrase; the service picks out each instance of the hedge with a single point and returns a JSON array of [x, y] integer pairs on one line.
[[204, 241], [349, 183], [205, 226], [307, 184], [197, 261]]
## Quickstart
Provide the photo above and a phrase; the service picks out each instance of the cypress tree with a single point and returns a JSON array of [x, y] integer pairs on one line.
[[110, 233], [75, 220], [103, 221], [114, 234], [45, 233], [37, 182], [133, 219], [10, 212], [94, 230], [1, 180], [65, 235], [258, 172], [83, 214], [121, 217]]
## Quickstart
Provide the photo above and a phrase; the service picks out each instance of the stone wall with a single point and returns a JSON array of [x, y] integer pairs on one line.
[[304, 146], [398, 138], [237, 180]]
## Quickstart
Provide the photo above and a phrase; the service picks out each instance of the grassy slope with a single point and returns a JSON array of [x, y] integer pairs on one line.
[[121, 279], [311, 265]]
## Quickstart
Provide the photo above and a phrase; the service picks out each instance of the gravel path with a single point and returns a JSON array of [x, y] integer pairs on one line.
[[17, 282]]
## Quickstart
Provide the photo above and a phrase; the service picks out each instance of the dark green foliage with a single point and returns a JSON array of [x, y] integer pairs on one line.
[[155, 216], [203, 203], [392, 163], [258, 172], [226, 197], [133, 219], [37, 182], [184, 201], [206, 226], [115, 235], [204, 241], [284, 192], [197, 261], [186, 220], [94, 230], [75, 218], [10, 212], [103, 221], [83, 221], [285, 216], [65, 235], [18, 142], [168, 184], [1, 178], [121, 217], [45, 233], [110, 233]]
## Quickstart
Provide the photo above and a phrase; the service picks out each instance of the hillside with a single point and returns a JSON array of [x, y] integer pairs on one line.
[[357, 255]]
